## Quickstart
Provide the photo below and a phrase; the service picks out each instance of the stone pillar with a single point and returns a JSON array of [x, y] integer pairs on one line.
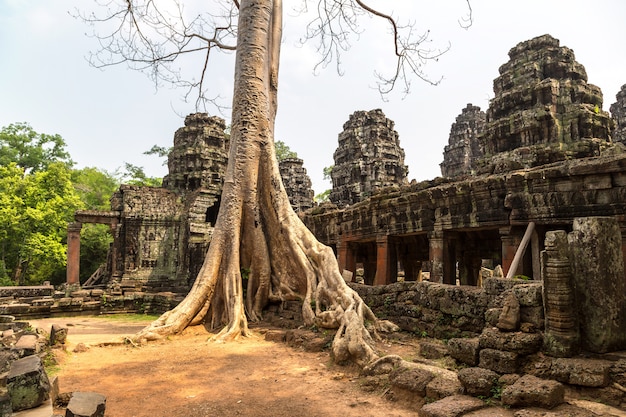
[[345, 257], [436, 255], [73, 253], [510, 243], [561, 335], [385, 261], [596, 254]]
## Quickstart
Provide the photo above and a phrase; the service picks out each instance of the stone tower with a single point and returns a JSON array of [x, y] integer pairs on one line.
[[618, 111], [463, 149], [368, 158], [543, 110], [297, 183]]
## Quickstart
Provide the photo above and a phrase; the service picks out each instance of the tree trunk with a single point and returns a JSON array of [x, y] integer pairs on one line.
[[257, 232]]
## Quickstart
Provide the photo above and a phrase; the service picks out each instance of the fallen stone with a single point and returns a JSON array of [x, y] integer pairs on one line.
[[454, 406], [498, 361], [414, 380], [58, 335], [582, 371], [27, 345], [27, 383], [432, 349], [441, 387], [5, 403], [86, 404], [530, 391], [560, 411], [464, 350], [478, 381]]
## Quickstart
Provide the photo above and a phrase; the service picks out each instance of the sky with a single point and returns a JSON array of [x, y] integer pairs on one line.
[[110, 117]]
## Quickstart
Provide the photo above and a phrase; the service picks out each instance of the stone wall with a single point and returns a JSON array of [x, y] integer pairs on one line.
[[446, 311], [368, 158], [618, 111], [464, 148]]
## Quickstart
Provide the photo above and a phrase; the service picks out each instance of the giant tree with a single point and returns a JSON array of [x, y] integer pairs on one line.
[[256, 230]]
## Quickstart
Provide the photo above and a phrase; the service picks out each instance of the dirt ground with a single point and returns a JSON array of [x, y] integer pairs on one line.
[[189, 376]]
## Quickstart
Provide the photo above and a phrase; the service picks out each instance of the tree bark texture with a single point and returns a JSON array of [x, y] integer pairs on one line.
[[258, 238]]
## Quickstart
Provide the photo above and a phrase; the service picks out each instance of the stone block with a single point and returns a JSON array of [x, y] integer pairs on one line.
[[478, 381], [27, 383], [432, 349], [533, 316], [464, 350], [529, 295], [496, 286], [582, 371], [26, 345], [492, 315], [518, 342], [413, 380], [440, 387], [58, 335], [86, 404], [5, 403], [498, 361], [530, 391], [453, 406]]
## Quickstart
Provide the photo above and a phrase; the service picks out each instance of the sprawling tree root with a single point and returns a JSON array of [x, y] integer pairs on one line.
[[257, 231]]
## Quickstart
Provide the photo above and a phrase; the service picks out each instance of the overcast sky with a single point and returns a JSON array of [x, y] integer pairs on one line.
[[108, 117]]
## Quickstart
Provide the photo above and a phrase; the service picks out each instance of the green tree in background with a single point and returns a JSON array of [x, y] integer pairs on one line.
[[35, 209], [30, 150], [283, 151]]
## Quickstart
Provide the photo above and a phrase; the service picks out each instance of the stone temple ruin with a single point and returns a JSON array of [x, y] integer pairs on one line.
[[534, 186]]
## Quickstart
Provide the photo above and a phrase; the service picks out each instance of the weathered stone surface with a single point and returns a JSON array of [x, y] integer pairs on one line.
[[414, 380], [498, 361], [618, 112], [441, 387], [598, 261], [86, 404], [26, 345], [561, 337], [529, 295], [464, 350], [509, 319], [560, 411], [453, 406], [297, 183], [27, 383], [58, 334], [543, 110], [518, 342], [582, 371], [530, 391], [5, 403], [368, 158], [432, 349], [478, 381], [463, 148]]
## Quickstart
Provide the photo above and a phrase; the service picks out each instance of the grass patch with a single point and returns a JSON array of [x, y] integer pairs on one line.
[[129, 317]]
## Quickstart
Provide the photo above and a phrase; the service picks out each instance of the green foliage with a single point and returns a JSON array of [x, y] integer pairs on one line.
[[327, 172], [95, 187], [283, 151], [321, 197], [95, 241], [135, 175], [29, 150], [35, 209]]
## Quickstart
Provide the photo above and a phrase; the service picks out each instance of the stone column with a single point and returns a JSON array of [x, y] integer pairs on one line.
[[435, 255], [345, 257], [510, 243], [73, 253], [596, 254], [561, 335], [384, 261]]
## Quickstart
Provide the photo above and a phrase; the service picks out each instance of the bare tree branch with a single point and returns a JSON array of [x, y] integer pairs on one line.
[[337, 20], [149, 36]]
